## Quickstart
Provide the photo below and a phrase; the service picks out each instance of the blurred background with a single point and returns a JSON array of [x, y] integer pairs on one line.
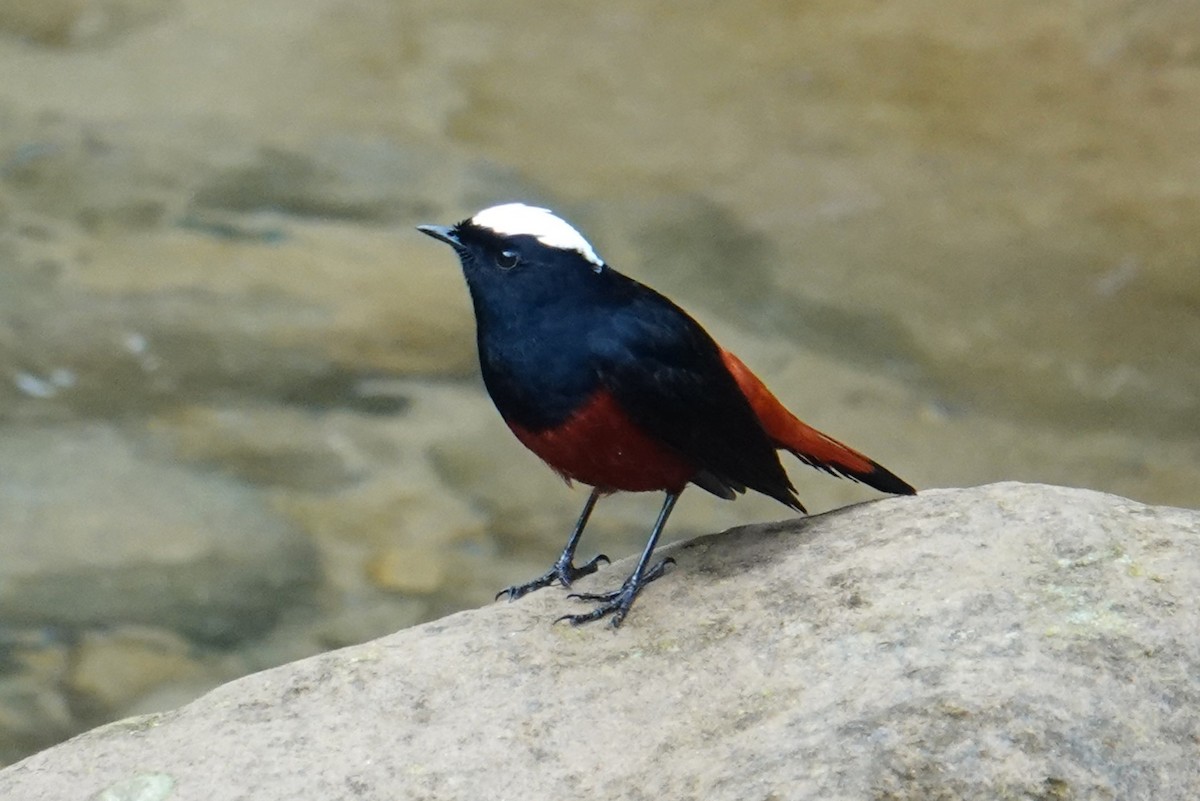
[[240, 420]]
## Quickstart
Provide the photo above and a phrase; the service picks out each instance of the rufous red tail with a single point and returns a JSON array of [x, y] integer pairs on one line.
[[805, 442]]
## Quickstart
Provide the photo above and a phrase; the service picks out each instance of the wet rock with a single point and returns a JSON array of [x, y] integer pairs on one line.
[[411, 571], [264, 446], [112, 669], [310, 320], [1005, 641], [398, 532], [151, 269], [66, 22], [34, 708], [97, 532], [358, 622]]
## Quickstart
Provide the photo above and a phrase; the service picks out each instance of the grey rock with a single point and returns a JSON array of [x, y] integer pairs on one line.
[[98, 531], [33, 714], [1009, 641], [62, 23]]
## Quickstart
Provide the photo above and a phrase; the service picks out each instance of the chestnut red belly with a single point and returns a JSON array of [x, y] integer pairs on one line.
[[599, 445]]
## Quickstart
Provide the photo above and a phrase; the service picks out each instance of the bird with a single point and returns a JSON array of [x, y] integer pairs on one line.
[[616, 387]]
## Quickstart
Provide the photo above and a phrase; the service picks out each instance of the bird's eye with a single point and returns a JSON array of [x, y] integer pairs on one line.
[[507, 259]]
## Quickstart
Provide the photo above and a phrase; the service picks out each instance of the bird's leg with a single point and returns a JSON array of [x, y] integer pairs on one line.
[[563, 570], [618, 602]]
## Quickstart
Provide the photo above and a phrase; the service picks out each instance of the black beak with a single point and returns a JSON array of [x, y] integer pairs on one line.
[[442, 233]]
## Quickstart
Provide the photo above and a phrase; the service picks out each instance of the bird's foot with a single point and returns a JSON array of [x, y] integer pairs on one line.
[[562, 571], [617, 602]]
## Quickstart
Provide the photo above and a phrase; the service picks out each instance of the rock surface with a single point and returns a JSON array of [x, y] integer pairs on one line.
[[1008, 641]]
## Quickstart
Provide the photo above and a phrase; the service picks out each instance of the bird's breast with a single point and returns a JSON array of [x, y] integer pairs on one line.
[[599, 445], [538, 367]]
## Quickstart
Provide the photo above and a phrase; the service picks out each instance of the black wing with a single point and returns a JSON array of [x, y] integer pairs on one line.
[[667, 374]]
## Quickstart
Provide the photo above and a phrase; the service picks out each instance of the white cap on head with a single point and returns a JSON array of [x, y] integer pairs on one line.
[[516, 219]]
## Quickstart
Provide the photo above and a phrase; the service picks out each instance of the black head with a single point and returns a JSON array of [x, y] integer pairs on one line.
[[519, 252]]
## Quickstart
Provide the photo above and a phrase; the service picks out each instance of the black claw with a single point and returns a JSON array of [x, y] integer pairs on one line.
[[586, 570], [517, 590], [658, 569], [618, 602], [595, 614], [562, 572], [603, 597], [617, 607]]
